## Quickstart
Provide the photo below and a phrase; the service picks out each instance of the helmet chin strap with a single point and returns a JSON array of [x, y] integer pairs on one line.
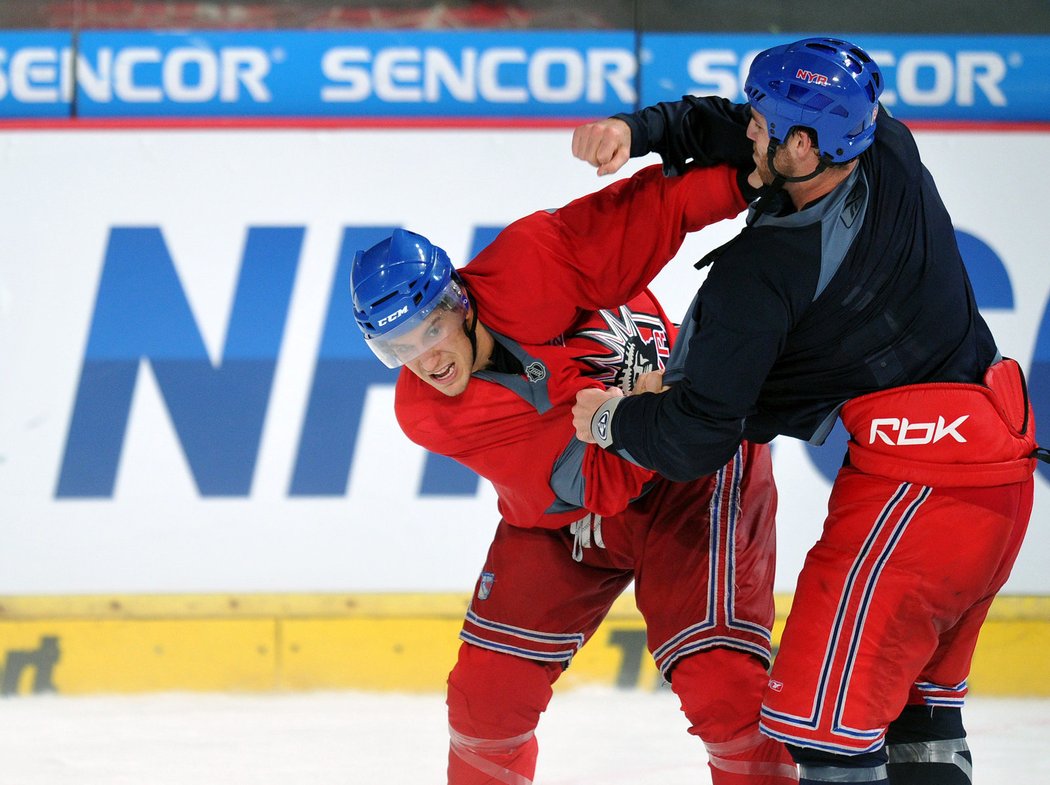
[[472, 330], [768, 198], [779, 178]]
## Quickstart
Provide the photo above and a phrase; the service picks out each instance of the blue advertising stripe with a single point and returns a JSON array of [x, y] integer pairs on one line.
[[356, 73], [36, 79], [477, 74], [292, 123], [975, 78]]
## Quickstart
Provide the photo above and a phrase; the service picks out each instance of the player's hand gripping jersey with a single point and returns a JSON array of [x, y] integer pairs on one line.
[[564, 293]]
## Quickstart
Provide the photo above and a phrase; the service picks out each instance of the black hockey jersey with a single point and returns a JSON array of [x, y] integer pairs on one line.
[[862, 290]]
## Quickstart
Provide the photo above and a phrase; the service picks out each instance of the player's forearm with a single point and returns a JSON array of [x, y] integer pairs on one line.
[[705, 131], [608, 246], [661, 432]]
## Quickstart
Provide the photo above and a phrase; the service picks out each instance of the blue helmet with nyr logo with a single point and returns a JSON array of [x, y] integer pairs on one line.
[[407, 296], [825, 84]]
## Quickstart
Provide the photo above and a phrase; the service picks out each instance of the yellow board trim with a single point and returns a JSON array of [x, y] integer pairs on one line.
[[384, 606], [396, 642]]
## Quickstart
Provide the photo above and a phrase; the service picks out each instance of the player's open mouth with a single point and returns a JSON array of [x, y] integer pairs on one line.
[[444, 374]]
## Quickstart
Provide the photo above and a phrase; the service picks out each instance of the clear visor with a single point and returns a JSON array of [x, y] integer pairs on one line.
[[422, 330]]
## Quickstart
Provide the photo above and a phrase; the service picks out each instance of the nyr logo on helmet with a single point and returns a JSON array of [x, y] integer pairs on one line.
[[393, 317], [811, 78], [901, 432]]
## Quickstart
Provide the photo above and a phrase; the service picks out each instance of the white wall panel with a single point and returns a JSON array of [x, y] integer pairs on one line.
[[62, 193]]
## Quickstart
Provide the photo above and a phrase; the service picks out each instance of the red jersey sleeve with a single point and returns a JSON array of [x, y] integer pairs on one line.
[[598, 251]]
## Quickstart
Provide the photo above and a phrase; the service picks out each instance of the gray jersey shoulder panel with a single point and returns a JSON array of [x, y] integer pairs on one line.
[[674, 366], [841, 216], [531, 387], [567, 477]]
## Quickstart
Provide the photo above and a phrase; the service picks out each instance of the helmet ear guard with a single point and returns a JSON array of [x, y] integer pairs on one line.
[[825, 84]]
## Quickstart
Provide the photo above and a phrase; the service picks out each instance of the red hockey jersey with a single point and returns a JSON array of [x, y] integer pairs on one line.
[[565, 292]]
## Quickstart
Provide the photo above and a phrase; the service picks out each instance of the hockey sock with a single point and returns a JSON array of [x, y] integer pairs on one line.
[[752, 759], [494, 704], [927, 746], [721, 693], [474, 761], [818, 768]]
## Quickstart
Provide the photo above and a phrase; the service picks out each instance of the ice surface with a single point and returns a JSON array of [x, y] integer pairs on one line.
[[592, 736]]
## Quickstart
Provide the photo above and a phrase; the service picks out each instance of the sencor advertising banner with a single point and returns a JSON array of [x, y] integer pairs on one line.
[[36, 74], [977, 78], [185, 403], [477, 74]]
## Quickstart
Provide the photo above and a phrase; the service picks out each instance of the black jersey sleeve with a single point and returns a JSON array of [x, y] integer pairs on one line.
[[753, 297], [697, 131]]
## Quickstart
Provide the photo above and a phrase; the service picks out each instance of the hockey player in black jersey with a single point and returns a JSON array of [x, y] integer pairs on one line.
[[844, 297]]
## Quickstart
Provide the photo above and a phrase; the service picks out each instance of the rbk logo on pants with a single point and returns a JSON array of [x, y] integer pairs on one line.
[[901, 432]]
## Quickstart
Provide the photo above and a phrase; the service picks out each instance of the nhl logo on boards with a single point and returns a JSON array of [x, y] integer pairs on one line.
[[485, 585], [535, 372]]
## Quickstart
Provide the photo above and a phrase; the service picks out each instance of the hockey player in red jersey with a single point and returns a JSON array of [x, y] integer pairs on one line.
[[493, 356], [845, 297]]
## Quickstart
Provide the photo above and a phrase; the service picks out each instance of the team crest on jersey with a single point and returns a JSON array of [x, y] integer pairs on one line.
[[485, 585], [634, 343]]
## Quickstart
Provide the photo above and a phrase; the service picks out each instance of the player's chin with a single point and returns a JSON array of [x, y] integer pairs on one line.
[[451, 392], [760, 176]]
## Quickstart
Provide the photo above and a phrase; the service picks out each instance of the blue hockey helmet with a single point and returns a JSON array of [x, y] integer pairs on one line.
[[825, 84], [396, 286]]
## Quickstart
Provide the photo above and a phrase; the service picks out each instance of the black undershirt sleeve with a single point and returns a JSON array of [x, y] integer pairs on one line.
[[693, 131], [747, 307]]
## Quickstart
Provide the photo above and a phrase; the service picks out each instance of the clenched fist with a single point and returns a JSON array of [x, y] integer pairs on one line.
[[605, 144], [587, 403]]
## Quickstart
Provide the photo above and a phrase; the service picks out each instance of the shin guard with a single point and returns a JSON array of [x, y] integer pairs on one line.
[[494, 704], [474, 761], [721, 693], [816, 767], [753, 759], [927, 746], [944, 762], [819, 775]]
